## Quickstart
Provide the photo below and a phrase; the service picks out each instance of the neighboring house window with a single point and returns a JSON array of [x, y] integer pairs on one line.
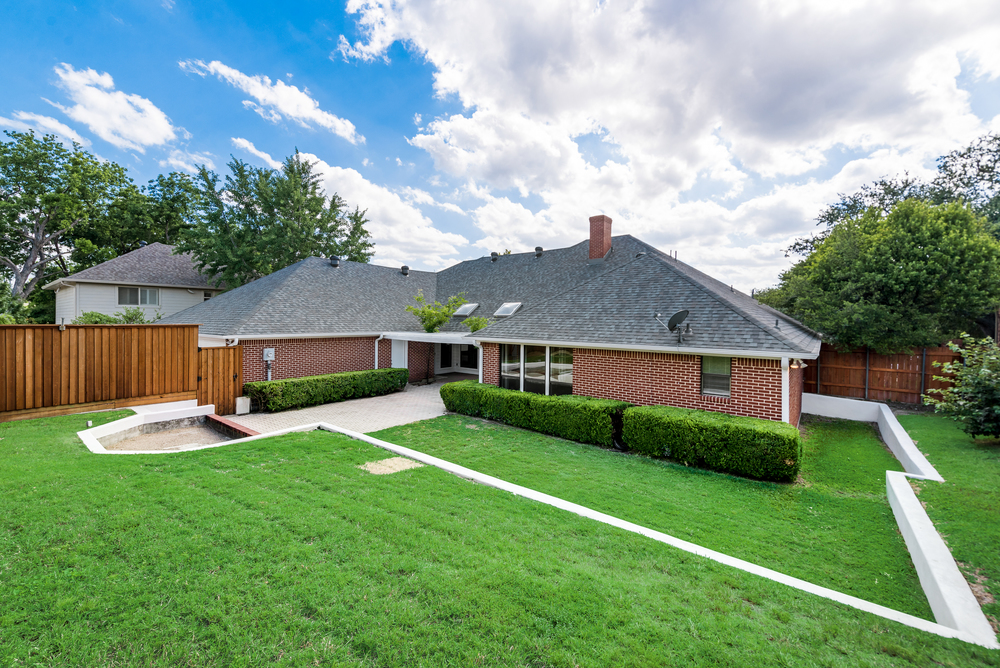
[[208, 295], [510, 366], [716, 373], [138, 297], [560, 371], [560, 368]]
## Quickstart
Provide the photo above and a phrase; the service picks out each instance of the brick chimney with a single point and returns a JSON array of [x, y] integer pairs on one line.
[[600, 237]]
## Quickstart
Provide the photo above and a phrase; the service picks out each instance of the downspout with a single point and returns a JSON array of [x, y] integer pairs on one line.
[[784, 389], [479, 355], [380, 337]]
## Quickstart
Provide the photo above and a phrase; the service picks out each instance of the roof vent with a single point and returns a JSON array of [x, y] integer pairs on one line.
[[640, 253], [538, 251], [494, 256], [335, 261], [405, 270]]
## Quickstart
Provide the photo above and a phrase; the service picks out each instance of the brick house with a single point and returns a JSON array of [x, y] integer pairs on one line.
[[592, 319]]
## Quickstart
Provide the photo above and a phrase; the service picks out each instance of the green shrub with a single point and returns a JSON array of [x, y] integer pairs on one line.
[[743, 446], [279, 395], [582, 419]]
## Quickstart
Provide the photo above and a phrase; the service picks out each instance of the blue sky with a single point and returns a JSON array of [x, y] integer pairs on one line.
[[716, 130]]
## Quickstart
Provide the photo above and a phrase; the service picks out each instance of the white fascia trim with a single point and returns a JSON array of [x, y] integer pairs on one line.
[[676, 350], [133, 284], [318, 335]]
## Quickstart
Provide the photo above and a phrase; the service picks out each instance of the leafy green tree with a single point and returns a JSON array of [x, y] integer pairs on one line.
[[259, 220], [915, 277], [46, 191], [973, 398], [475, 323], [130, 315], [972, 175], [432, 316]]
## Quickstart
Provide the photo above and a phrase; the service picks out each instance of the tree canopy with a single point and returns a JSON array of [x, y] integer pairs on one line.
[[914, 276], [256, 221], [47, 191]]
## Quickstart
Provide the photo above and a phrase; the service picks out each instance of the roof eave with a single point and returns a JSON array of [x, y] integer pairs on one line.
[[677, 350]]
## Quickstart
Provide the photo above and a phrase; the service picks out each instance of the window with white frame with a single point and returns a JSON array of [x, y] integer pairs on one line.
[[138, 297], [716, 375], [537, 369]]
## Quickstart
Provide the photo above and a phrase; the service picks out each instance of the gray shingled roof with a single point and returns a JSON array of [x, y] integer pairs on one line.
[[564, 299], [617, 308], [313, 297], [154, 264]]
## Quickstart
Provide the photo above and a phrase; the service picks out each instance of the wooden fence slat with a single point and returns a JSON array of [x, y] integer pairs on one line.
[[44, 369]]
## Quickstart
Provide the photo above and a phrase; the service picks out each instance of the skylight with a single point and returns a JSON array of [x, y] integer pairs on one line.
[[508, 308], [466, 309]]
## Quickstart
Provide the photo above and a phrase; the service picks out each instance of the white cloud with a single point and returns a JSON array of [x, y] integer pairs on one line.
[[125, 120], [23, 122], [247, 145], [187, 161], [719, 114], [277, 100], [402, 234]]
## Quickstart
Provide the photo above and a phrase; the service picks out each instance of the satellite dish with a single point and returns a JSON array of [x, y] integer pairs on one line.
[[676, 319]]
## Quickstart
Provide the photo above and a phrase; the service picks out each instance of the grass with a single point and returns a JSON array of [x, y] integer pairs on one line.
[[970, 493], [282, 552], [834, 528]]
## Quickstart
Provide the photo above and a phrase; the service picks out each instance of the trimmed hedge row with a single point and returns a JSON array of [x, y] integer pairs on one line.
[[280, 395], [743, 446], [582, 419]]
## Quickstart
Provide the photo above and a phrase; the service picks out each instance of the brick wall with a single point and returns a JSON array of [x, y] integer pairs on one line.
[[385, 354], [294, 358], [675, 380], [420, 360], [491, 363], [795, 384]]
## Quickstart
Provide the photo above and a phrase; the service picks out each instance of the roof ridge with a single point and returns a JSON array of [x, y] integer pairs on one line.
[[733, 304]]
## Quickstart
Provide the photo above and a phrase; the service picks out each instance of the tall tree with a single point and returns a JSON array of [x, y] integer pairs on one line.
[[972, 175], [47, 190], [259, 220], [914, 277]]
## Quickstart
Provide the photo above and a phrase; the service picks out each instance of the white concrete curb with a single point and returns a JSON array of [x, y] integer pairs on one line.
[[90, 436], [948, 593], [955, 620]]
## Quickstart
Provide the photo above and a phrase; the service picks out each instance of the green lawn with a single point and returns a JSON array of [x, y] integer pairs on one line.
[[966, 507], [282, 552], [834, 528]]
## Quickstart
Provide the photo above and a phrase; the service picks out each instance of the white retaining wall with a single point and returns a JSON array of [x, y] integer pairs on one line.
[[947, 591]]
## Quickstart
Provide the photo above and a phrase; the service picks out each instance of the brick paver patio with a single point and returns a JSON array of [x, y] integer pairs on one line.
[[362, 415]]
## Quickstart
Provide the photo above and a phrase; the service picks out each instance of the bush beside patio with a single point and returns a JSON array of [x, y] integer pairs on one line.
[[280, 395], [576, 418]]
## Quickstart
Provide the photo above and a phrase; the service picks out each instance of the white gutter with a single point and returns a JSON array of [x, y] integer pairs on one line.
[[784, 390], [380, 337], [151, 285], [676, 350]]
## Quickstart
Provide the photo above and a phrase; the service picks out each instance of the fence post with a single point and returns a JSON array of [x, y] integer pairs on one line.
[[868, 355], [923, 373], [819, 368]]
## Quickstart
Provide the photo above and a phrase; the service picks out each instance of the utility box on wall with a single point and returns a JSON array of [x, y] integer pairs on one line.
[[268, 354]]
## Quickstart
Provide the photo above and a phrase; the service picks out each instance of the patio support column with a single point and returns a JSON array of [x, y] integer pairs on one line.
[[479, 355], [522, 367], [548, 363]]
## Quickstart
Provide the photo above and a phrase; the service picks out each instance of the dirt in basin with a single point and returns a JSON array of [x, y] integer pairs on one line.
[[171, 439]]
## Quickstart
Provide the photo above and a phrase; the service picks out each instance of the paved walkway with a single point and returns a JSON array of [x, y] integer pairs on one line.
[[362, 415]]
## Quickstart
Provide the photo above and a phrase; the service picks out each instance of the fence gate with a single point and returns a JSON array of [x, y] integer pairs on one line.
[[220, 377]]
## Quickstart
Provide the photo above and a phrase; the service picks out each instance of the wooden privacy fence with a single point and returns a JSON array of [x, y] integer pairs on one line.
[[863, 374], [45, 370], [220, 377]]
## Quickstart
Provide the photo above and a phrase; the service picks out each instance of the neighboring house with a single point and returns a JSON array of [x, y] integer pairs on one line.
[[151, 278], [580, 320]]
